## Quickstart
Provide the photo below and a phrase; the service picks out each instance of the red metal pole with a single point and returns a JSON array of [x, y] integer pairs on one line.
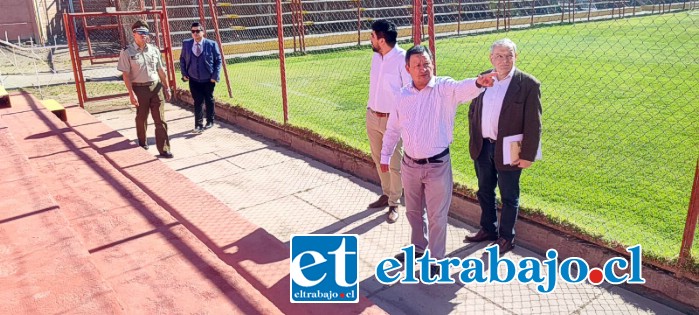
[[690, 224], [294, 24], [303, 27], [79, 69], [202, 18], [214, 14], [167, 41], [87, 37], [282, 64], [67, 21], [157, 27], [430, 32], [120, 26], [417, 22]]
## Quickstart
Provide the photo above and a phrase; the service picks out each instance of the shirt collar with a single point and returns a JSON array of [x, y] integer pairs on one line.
[[392, 52], [135, 46], [430, 84], [509, 75]]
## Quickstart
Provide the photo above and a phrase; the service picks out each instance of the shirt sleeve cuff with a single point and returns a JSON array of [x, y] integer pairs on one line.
[[385, 159]]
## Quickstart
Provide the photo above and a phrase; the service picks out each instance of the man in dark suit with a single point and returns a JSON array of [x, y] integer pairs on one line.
[[512, 106], [200, 63]]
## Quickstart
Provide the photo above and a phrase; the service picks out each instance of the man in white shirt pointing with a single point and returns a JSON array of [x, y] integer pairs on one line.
[[388, 75], [424, 119]]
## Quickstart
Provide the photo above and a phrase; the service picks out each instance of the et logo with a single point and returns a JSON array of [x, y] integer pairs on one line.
[[323, 269]]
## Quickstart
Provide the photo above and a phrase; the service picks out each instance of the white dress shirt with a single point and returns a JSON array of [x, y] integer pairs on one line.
[[387, 77], [492, 105], [425, 119]]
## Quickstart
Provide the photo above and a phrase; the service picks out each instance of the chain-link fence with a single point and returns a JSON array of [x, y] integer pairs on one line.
[[618, 89], [619, 82], [619, 140], [26, 65], [95, 41]]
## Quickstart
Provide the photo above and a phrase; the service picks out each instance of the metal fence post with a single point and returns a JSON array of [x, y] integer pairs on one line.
[[282, 65], [690, 224]]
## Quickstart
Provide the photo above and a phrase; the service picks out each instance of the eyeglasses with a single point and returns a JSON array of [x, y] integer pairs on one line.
[[196, 31], [141, 33], [504, 57]]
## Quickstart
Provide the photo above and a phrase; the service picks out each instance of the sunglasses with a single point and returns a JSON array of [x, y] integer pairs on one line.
[[196, 31]]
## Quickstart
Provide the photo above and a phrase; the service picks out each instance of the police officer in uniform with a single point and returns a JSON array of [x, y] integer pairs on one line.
[[144, 76]]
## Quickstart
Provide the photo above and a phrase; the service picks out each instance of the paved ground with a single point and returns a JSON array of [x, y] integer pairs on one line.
[[286, 193]]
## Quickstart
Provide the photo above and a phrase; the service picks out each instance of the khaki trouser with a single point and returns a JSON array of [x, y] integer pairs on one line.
[[150, 100], [391, 184]]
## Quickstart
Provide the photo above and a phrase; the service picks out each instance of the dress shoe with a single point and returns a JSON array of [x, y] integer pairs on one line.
[[481, 236], [401, 256], [392, 215], [167, 155], [381, 203], [198, 129], [209, 124], [144, 146], [504, 245]]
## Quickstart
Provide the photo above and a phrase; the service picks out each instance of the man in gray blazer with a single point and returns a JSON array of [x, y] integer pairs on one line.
[[512, 106]]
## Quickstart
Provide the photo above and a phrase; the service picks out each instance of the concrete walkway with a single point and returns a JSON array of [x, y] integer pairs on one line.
[[286, 193]]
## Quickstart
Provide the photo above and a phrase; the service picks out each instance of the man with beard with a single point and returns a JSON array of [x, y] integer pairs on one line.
[[388, 75]]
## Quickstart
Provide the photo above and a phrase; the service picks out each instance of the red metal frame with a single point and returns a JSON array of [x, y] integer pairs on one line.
[[298, 23], [214, 14], [77, 60], [417, 22], [70, 37], [202, 16], [430, 33], [87, 28], [282, 64], [690, 224]]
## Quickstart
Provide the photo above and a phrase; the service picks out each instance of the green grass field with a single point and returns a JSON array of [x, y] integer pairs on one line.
[[621, 117]]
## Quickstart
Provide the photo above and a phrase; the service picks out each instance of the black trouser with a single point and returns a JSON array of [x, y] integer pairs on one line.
[[508, 181], [202, 92]]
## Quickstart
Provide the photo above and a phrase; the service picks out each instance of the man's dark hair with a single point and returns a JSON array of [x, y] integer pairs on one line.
[[417, 50], [387, 30], [196, 24]]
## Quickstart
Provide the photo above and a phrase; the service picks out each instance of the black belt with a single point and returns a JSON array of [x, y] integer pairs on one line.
[[434, 159], [142, 83], [489, 140]]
